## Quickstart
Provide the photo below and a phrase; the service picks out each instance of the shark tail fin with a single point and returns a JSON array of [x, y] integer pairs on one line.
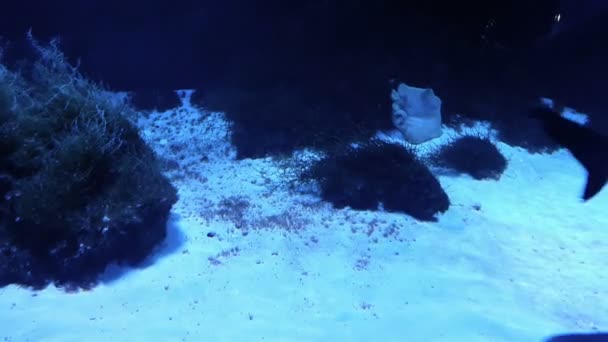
[[595, 183]]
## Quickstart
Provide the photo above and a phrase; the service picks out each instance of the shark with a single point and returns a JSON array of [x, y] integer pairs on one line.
[[588, 146]]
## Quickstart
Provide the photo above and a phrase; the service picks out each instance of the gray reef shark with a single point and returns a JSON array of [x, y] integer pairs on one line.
[[588, 146]]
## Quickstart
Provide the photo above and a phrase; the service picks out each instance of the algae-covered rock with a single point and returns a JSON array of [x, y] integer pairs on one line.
[[79, 188]]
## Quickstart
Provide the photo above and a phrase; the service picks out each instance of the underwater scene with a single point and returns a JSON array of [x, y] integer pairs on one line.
[[314, 170]]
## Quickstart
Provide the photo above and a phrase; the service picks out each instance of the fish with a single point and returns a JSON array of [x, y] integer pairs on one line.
[[587, 146], [573, 15]]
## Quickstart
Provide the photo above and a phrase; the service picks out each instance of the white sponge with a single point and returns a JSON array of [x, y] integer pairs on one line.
[[416, 113]]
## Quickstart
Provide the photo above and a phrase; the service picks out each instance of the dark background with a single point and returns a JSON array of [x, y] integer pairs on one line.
[[297, 73]]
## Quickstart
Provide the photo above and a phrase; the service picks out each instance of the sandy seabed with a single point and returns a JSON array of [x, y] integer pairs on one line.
[[247, 259]]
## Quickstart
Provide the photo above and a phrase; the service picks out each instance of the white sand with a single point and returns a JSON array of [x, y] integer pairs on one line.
[[530, 263]]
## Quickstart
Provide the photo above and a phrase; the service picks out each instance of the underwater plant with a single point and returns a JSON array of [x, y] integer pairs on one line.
[[374, 175], [474, 155], [79, 188]]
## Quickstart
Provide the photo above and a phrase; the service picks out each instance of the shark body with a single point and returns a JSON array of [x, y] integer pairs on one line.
[[588, 146]]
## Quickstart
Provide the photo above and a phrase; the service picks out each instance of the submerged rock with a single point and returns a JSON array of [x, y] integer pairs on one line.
[[80, 188]]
